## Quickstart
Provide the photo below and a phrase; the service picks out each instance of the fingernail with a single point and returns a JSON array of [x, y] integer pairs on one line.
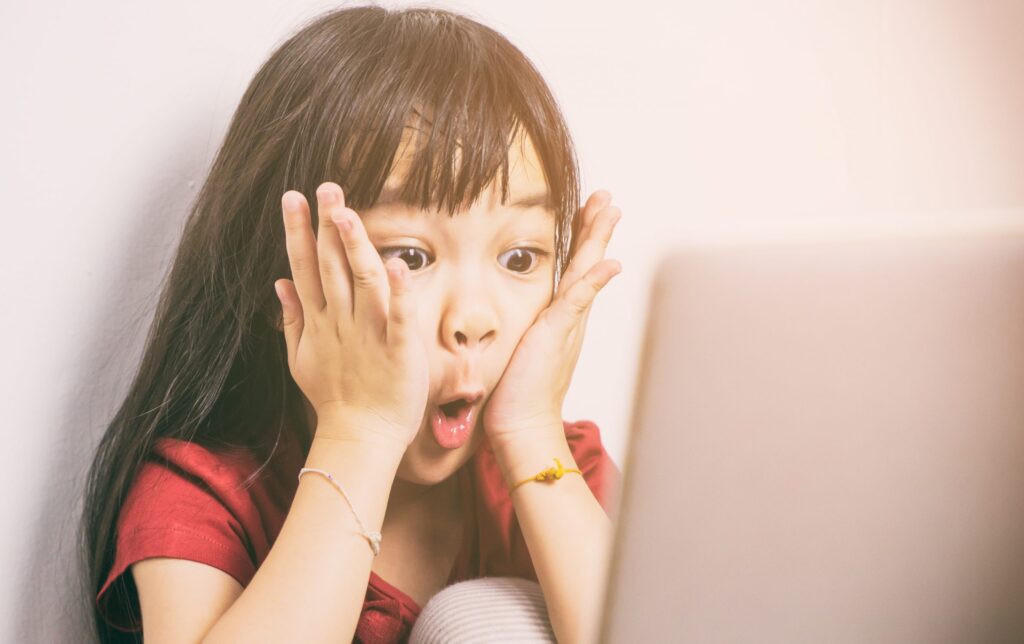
[[291, 201], [326, 196]]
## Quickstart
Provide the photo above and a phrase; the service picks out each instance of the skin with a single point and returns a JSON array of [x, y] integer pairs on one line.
[[472, 314], [368, 366], [472, 307]]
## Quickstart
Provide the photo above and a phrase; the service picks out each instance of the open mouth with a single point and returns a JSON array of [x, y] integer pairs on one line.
[[452, 409], [452, 422]]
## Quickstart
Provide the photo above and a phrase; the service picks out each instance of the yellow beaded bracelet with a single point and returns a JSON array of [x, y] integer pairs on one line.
[[549, 474]]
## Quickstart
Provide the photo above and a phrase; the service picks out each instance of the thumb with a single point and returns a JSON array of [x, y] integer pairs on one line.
[[291, 316], [401, 307]]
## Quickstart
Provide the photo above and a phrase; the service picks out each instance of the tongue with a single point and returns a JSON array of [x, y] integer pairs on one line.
[[452, 431]]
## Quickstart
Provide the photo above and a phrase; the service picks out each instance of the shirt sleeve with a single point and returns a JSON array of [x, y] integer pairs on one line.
[[170, 512], [599, 470]]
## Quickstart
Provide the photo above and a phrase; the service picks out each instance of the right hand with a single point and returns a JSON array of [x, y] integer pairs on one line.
[[349, 320]]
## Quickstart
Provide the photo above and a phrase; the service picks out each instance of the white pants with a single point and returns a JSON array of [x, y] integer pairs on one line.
[[489, 609]]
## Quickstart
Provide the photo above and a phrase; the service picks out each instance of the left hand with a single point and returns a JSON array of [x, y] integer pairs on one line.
[[527, 401]]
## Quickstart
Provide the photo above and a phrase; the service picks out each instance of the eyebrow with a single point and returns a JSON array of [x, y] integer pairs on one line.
[[540, 199]]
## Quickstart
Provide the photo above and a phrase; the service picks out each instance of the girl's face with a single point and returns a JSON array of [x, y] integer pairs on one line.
[[480, 279]]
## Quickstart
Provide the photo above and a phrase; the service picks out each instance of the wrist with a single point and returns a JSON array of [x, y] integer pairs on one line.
[[347, 425], [367, 441], [365, 472], [350, 454], [532, 452]]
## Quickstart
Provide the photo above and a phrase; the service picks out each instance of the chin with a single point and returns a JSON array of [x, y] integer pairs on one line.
[[427, 463]]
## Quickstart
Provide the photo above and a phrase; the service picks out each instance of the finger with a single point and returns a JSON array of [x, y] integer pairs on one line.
[[334, 273], [369, 282], [595, 203], [568, 310], [401, 306], [592, 248], [301, 246], [291, 317]]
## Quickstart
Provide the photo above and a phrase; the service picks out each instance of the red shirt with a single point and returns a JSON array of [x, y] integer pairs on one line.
[[186, 503]]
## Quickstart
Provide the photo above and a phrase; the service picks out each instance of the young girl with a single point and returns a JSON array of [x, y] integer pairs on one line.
[[312, 459]]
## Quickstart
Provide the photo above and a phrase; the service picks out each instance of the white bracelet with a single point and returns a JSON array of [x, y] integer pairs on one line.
[[372, 537]]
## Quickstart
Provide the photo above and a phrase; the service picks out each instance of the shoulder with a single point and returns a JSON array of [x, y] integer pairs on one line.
[[185, 502], [584, 436], [174, 463], [185, 485], [599, 470]]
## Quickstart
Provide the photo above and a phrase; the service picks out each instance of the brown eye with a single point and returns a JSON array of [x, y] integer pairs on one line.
[[520, 260], [415, 258]]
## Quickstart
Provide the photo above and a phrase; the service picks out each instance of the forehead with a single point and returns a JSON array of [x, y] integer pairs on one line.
[[526, 182]]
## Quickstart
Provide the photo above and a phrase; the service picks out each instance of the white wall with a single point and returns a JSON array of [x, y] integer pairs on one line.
[[697, 116]]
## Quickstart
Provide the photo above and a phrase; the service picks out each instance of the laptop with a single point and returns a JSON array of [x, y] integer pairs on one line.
[[827, 445]]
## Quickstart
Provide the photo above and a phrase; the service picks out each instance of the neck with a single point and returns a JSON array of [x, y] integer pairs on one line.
[[441, 495]]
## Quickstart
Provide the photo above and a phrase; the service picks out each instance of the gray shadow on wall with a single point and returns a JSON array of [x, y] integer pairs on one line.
[[55, 604]]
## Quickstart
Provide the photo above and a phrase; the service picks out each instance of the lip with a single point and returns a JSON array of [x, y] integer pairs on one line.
[[471, 395], [452, 432], [462, 381]]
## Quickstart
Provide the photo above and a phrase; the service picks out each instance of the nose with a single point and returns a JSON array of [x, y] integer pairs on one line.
[[470, 320]]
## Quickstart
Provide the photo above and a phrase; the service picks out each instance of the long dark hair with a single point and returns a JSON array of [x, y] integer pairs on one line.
[[330, 104]]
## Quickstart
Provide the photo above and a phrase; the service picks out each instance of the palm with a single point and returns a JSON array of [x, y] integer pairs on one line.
[[529, 396], [526, 395]]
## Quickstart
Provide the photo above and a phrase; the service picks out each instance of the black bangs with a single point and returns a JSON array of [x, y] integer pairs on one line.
[[460, 95]]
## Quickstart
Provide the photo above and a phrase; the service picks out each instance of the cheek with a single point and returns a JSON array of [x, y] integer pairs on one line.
[[519, 312], [428, 316], [540, 298]]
